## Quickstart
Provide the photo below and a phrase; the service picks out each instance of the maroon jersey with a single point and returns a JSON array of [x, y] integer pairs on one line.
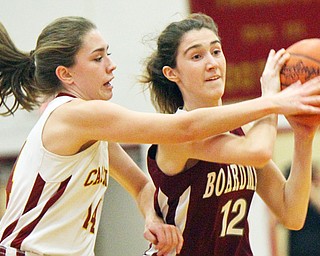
[[209, 203]]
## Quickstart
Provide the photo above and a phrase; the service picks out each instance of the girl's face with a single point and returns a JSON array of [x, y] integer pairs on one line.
[[201, 69], [92, 72]]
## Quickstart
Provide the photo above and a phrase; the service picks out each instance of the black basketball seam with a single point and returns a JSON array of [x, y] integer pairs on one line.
[[294, 71]]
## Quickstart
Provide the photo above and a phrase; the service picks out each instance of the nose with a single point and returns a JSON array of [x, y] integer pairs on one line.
[[110, 66], [212, 62]]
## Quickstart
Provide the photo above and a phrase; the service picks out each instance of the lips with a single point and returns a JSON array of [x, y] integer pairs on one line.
[[109, 82], [213, 78]]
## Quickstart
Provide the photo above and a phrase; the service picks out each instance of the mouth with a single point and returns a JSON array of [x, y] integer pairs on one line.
[[213, 78], [108, 84]]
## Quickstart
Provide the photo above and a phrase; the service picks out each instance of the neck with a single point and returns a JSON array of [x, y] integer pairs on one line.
[[191, 107]]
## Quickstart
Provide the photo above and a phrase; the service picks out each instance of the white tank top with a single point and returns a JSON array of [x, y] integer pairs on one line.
[[55, 202]]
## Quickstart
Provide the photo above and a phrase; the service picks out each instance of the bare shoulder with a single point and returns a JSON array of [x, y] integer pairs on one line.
[[81, 114], [172, 158], [84, 109], [64, 130]]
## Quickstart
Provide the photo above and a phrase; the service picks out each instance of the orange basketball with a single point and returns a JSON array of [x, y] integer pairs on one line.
[[304, 64]]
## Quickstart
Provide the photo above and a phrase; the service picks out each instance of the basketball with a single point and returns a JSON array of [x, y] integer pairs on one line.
[[303, 65], [304, 62]]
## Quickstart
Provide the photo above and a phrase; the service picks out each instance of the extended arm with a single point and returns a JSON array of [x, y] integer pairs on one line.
[[99, 120]]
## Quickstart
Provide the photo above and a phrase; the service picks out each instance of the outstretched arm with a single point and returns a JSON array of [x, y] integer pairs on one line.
[[99, 120]]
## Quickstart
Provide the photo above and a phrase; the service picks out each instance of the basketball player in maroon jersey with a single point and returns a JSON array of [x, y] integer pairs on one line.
[[205, 187]]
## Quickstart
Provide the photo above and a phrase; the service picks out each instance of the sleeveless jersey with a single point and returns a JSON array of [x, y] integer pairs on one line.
[[54, 202], [209, 203]]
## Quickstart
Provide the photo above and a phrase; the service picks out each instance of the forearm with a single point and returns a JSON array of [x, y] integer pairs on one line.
[[298, 186], [261, 138], [229, 117], [145, 202], [166, 238], [294, 100]]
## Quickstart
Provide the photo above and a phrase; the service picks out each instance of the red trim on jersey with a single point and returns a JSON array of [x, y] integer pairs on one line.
[[65, 94], [35, 194], [16, 243], [32, 203], [3, 251], [9, 230]]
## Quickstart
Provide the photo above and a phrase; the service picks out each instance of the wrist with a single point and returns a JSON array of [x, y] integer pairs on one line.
[[269, 105], [152, 218]]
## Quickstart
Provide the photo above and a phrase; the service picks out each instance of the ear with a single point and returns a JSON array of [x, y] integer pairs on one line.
[[170, 74], [64, 75]]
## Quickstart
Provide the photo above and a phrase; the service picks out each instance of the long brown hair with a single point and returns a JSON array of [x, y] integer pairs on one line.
[[29, 76], [165, 94]]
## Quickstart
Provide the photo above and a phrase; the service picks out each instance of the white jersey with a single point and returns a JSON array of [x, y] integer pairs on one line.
[[55, 202]]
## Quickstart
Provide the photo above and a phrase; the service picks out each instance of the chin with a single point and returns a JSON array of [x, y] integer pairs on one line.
[[107, 98], [106, 95], [218, 93]]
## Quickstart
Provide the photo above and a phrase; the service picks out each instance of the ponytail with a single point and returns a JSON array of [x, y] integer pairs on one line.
[[17, 72], [29, 76]]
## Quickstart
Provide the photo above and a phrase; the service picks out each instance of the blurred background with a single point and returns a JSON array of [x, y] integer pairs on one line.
[[248, 29]]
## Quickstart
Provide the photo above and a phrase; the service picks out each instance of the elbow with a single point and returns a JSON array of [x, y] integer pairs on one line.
[[296, 227], [188, 132], [295, 223], [188, 136], [293, 220]]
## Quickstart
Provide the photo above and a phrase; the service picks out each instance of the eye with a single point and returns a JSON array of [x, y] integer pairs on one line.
[[98, 59], [216, 52], [196, 56]]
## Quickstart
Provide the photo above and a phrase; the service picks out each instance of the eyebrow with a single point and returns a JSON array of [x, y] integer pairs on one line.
[[199, 45], [102, 49]]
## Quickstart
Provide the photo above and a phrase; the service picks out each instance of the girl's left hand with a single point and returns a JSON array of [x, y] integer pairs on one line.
[[165, 237]]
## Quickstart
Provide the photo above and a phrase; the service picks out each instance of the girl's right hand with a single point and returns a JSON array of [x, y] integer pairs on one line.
[[270, 79]]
